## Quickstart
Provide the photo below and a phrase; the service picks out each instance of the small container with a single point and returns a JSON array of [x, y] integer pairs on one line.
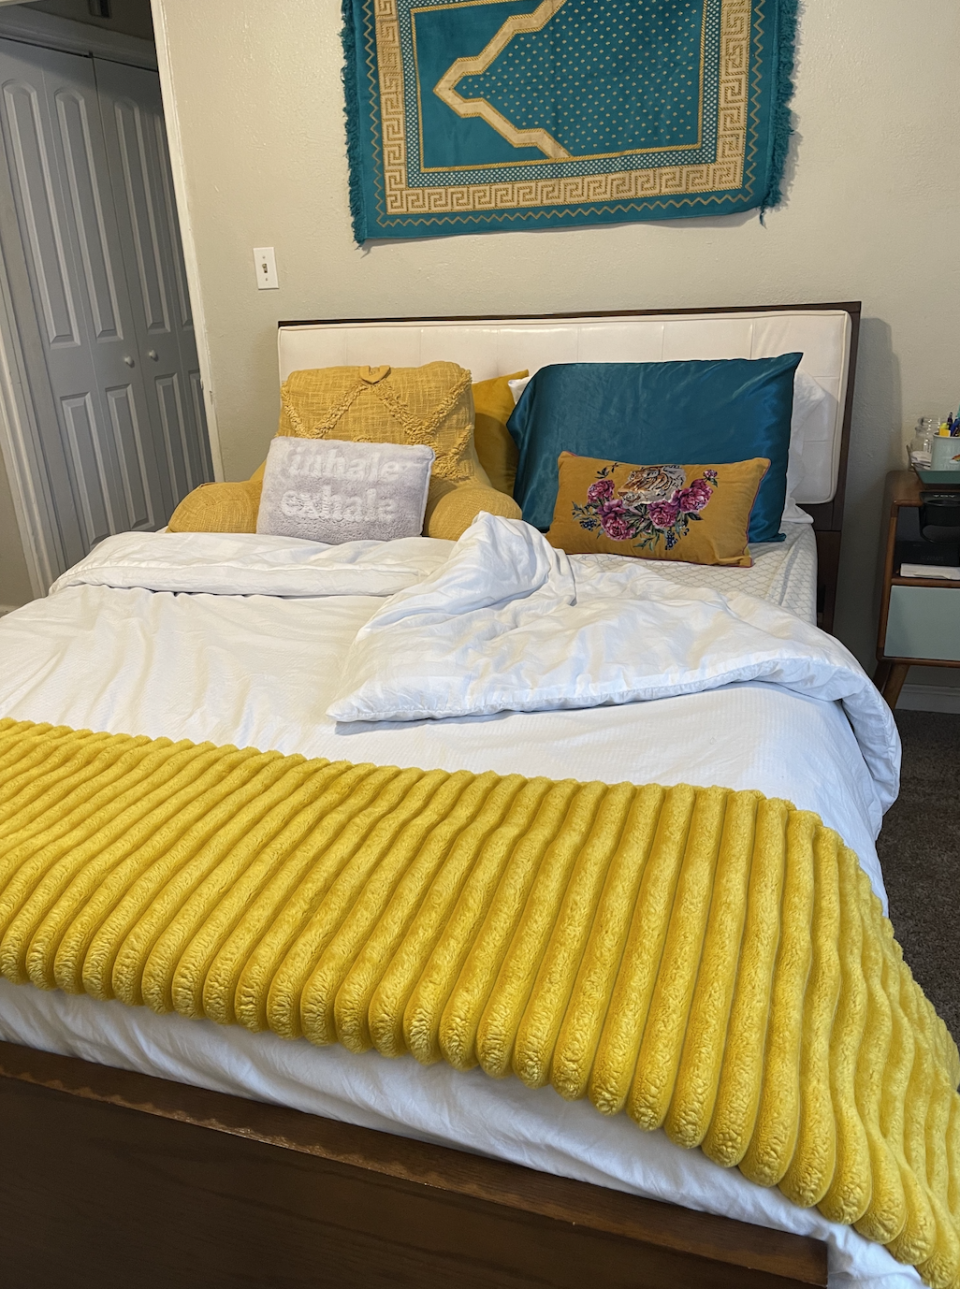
[[918, 449], [945, 454]]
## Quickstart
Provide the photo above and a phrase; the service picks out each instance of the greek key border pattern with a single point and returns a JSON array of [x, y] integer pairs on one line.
[[723, 174]]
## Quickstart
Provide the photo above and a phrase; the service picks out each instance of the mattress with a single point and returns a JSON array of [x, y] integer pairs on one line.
[[261, 671]]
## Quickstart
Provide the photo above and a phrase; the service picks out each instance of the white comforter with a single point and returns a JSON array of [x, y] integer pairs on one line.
[[252, 640], [506, 624]]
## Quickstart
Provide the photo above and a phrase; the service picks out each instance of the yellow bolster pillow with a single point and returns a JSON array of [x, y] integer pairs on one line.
[[453, 513], [220, 507], [233, 507]]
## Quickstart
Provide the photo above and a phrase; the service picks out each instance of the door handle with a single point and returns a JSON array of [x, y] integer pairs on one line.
[[152, 353], [129, 361]]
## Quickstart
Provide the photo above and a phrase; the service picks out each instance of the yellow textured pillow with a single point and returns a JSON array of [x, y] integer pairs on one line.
[[432, 404], [696, 513], [220, 508], [493, 402]]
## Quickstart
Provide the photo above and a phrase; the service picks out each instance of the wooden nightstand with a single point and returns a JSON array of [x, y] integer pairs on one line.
[[919, 617]]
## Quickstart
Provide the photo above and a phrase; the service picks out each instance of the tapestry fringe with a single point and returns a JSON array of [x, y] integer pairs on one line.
[[782, 124], [351, 111]]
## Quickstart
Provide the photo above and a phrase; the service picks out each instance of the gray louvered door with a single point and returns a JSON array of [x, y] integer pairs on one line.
[[115, 460]]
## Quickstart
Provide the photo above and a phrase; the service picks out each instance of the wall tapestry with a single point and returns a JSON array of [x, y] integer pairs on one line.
[[467, 116]]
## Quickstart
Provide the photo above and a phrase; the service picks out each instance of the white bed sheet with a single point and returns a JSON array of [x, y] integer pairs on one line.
[[262, 671], [783, 573]]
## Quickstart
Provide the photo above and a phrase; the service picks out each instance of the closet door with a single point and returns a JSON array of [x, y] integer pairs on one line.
[[93, 418], [136, 143]]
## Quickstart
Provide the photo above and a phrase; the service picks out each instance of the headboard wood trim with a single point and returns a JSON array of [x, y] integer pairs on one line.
[[827, 517]]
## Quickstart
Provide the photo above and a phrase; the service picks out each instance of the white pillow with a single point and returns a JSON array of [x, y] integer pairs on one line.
[[808, 405], [334, 491]]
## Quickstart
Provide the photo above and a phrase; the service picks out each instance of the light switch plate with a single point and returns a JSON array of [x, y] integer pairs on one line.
[[266, 262]]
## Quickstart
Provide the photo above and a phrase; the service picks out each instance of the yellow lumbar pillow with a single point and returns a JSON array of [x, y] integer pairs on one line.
[[695, 513], [493, 402]]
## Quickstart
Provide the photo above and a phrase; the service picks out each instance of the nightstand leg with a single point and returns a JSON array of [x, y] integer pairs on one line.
[[894, 682], [882, 675]]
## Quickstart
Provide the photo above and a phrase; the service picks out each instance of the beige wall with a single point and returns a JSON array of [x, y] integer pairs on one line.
[[131, 17], [14, 578], [872, 214]]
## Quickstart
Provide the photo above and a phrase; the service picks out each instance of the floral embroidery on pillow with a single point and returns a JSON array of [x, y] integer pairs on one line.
[[655, 504]]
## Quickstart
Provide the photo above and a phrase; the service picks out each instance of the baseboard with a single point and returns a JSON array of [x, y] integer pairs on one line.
[[930, 698]]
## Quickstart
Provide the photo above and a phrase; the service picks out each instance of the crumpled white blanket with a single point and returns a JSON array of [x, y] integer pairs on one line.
[[255, 564], [507, 623]]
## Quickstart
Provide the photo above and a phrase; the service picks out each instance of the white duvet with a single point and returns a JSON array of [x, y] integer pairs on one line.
[[507, 624], [254, 640]]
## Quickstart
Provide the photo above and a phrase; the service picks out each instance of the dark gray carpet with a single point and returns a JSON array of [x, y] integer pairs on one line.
[[919, 851]]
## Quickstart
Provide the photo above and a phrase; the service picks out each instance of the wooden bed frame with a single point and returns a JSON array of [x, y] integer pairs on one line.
[[106, 1183], [111, 1179]]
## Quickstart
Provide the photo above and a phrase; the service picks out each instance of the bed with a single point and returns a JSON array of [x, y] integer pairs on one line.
[[224, 1157]]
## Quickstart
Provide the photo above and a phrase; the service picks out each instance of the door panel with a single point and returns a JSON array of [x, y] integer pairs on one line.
[[109, 342], [136, 143], [88, 214], [132, 455], [111, 354], [58, 168], [94, 479], [48, 312], [34, 182], [139, 202], [170, 402]]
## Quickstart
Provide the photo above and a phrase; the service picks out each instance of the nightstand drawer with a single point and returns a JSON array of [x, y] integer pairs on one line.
[[923, 622]]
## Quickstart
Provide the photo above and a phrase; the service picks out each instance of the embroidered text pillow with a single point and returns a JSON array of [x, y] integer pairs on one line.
[[696, 513], [332, 491]]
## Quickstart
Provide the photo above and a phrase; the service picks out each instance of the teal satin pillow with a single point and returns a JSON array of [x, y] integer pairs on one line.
[[717, 411]]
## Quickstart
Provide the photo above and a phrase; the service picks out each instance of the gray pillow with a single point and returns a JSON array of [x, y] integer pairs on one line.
[[332, 491]]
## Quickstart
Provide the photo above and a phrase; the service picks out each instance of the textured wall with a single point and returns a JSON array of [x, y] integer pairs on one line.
[[871, 214]]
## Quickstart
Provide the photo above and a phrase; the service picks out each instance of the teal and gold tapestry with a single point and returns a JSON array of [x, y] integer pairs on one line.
[[469, 116]]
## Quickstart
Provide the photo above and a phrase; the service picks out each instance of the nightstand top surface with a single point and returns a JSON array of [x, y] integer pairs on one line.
[[904, 488]]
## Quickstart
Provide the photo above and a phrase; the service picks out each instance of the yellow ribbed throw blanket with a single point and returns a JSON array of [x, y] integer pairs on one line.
[[712, 962]]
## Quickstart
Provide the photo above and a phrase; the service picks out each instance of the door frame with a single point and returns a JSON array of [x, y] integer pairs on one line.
[[19, 433], [20, 445], [171, 116], [52, 32]]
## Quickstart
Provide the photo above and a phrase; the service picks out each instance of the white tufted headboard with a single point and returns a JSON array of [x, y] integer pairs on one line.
[[826, 335]]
